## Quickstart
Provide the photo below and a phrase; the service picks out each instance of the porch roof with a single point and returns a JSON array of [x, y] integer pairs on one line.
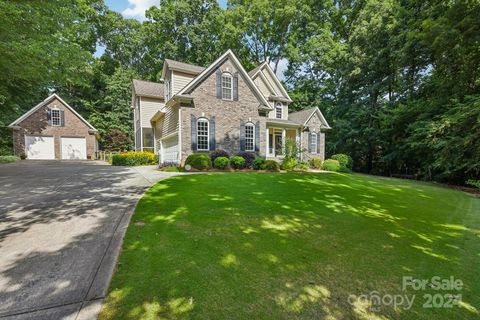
[[282, 123]]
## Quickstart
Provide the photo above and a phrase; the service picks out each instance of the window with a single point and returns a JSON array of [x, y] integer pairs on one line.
[[55, 116], [279, 111], [202, 134], [148, 139], [227, 88], [313, 143], [249, 137]]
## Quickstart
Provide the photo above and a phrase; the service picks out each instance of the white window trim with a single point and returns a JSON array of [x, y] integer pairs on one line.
[[279, 106], [314, 150], [227, 74], [250, 124], [59, 116], [208, 134]]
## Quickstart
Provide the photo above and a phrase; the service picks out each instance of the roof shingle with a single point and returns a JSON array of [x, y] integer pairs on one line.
[[147, 88], [301, 116], [182, 66]]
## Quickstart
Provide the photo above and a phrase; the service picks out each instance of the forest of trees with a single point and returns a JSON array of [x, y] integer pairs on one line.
[[398, 80]]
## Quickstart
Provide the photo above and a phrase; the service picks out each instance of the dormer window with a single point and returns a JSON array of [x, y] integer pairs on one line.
[[227, 86], [279, 111], [55, 116]]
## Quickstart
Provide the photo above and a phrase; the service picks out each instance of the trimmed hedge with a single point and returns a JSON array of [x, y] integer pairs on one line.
[[8, 159], [218, 153], [316, 163], [199, 161], [272, 165], [331, 165], [259, 163], [133, 158], [221, 163], [237, 162], [346, 162], [249, 158]]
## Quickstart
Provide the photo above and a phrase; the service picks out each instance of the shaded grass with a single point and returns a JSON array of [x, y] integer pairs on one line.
[[8, 159], [293, 246]]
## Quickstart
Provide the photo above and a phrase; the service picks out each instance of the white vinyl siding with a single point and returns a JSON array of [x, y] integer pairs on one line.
[[179, 81], [149, 106]]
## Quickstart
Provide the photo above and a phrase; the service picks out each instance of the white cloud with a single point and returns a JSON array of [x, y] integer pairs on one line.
[[281, 68], [137, 8]]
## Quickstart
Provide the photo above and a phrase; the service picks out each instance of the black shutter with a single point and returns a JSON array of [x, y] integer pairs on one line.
[[194, 131], [235, 86], [318, 142], [242, 136], [49, 116], [62, 118], [212, 134], [219, 84], [257, 136], [310, 142]]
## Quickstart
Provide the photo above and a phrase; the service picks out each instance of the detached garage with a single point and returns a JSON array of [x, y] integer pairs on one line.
[[53, 130]]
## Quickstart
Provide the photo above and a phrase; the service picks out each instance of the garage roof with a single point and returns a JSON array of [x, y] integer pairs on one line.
[[44, 102]]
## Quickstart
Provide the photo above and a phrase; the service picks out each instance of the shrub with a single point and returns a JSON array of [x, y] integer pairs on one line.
[[289, 164], [473, 183], [218, 153], [259, 163], [8, 159], [346, 162], [331, 165], [133, 158], [272, 165], [221, 163], [316, 163], [237, 162], [302, 166], [249, 158], [199, 161], [291, 151]]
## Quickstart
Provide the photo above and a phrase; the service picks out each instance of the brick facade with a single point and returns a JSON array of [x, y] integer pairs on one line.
[[228, 114], [314, 125], [37, 124]]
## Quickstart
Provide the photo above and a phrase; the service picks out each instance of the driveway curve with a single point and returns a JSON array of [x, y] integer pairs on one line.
[[61, 228]]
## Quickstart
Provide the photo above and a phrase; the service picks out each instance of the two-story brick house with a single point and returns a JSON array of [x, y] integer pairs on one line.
[[222, 106]]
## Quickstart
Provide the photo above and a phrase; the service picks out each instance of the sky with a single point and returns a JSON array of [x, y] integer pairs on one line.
[[135, 9]]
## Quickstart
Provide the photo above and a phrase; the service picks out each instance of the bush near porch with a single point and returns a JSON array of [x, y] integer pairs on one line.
[[133, 158]]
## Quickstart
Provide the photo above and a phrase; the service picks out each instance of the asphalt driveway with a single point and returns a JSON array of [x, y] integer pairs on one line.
[[61, 226]]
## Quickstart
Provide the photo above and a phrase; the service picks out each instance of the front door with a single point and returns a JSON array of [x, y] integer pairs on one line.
[[278, 145]]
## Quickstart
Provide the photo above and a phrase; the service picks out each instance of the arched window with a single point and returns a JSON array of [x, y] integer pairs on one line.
[[249, 137], [227, 86], [313, 143], [202, 134], [279, 110]]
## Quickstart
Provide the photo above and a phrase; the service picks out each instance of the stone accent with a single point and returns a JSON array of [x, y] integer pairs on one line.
[[37, 124], [228, 114], [314, 125]]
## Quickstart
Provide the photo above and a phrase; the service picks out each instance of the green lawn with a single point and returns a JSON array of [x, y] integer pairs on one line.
[[294, 246]]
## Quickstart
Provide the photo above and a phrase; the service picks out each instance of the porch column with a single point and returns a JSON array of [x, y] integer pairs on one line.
[[300, 143], [284, 137], [266, 142]]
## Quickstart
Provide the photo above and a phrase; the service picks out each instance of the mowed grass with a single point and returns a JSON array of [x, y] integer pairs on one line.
[[294, 246]]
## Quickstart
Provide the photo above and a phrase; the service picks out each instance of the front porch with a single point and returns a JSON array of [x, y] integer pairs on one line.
[[276, 136]]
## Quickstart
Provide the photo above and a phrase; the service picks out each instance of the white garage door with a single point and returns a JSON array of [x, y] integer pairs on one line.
[[74, 148], [38, 147]]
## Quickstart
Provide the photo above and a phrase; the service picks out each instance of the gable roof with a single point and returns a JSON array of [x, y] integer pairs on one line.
[[43, 103], [251, 73], [244, 74], [181, 66], [148, 88], [264, 66], [303, 116]]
